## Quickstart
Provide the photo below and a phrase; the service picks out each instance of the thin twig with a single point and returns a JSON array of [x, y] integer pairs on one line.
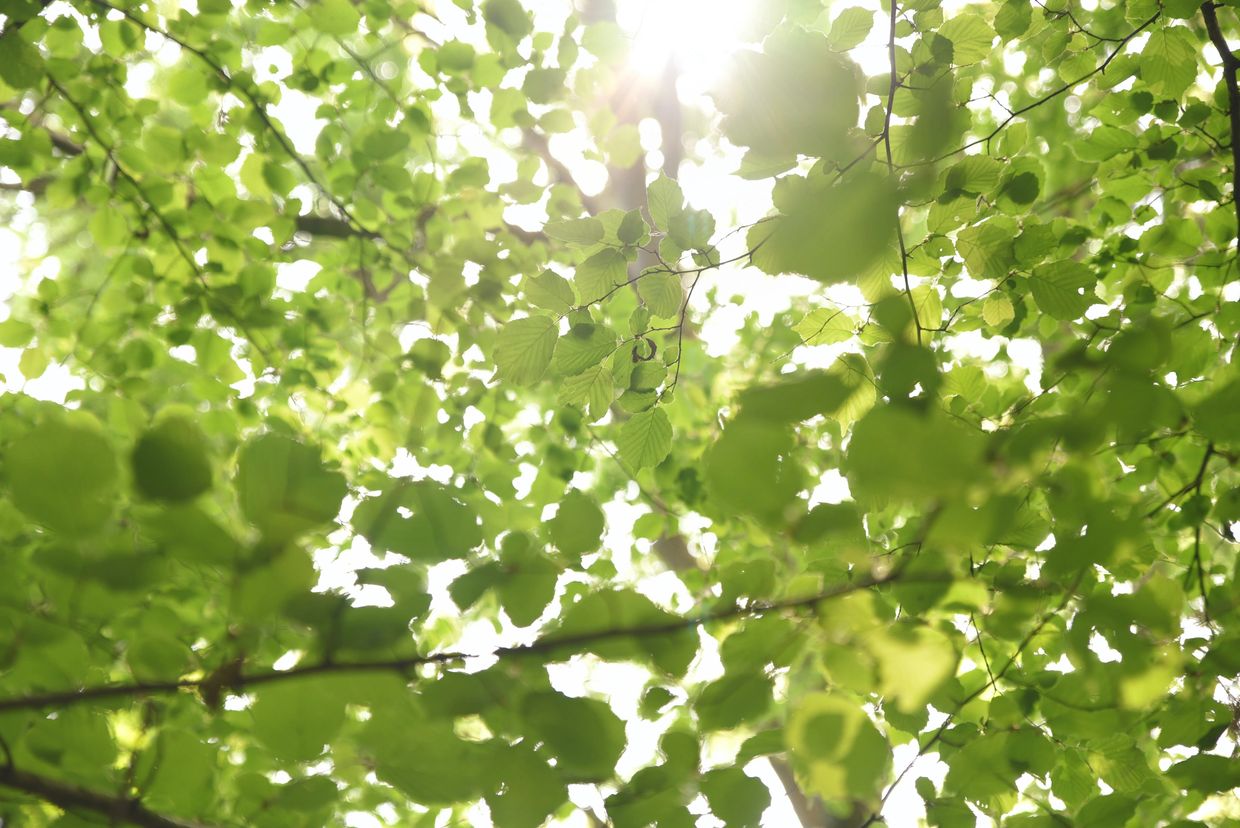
[[238, 680], [891, 99], [1055, 93], [1230, 66], [74, 798]]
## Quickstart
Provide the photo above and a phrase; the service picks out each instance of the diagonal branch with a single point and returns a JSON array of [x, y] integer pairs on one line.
[[171, 231], [1231, 64], [1050, 96], [924, 747], [256, 103], [235, 679], [891, 102], [71, 798]]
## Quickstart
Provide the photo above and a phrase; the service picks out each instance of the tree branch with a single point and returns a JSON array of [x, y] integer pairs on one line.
[[164, 222], [235, 679], [1230, 65], [74, 798], [256, 104], [1012, 116], [924, 747], [891, 100]]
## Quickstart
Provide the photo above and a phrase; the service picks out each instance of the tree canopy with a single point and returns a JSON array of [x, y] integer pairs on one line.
[[368, 458]]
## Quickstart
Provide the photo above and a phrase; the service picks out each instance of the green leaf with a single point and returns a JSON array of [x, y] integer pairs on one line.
[[1063, 289], [421, 520], [632, 229], [750, 469], [971, 38], [577, 527], [15, 333], [532, 791], [1169, 61], [662, 293], [796, 397], [529, 585], [838, 750], [913, 663], [524, 350], [296, 719], [21, 65], [576, 231], [170, 460], [733, 700], [900, 454], [850, 27], [592, 390], [1206, 773], [767, 105], [1215, 416], [736, 798], [585, 345], [645, 439], [284, 488], [672, 651], [549, 291], [64, 475], [664, 200], [825, 326], [691, 229], [183, 785], [854, 219], [334, 17], [600, 275], [508, 15], [585, 737], [987, 248], [997, 310], [425, 760], [385, 143]]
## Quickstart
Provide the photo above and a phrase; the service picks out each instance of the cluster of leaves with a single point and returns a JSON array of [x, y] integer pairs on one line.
[[1031, 573]]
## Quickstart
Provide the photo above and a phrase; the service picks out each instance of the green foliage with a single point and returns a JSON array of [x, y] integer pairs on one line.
[[356, 460]]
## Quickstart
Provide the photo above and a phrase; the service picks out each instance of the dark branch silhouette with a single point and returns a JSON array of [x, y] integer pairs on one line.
[[70, 798], [232, 678]]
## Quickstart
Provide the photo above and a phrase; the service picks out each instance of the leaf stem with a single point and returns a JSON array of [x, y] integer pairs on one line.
[[891, 98]]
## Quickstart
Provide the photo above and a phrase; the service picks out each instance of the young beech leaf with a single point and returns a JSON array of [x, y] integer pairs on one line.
[[284, 488], [898, 453], [422, 520], [838, 751], [661, 292], [63, 474], [849, 28], [600, 275], [578, 524], [997, 310], [664, 200], [170, 460], [645, 439], [524, 349], [750, 469], [1065, 290], [592, 390], [585, 737], [296, 720], [583, 231]]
